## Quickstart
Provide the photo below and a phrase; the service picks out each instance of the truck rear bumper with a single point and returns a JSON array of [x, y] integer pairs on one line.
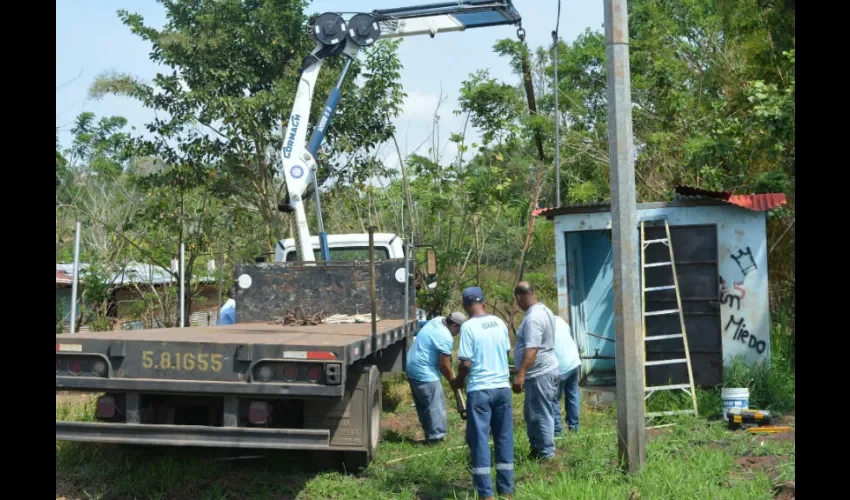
[[194, 435], [94, 384]]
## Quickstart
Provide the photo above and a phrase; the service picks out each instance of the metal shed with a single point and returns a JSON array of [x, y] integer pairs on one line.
[[720, 248]]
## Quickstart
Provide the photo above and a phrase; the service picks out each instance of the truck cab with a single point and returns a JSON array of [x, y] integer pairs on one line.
[[349, 247], [345, 247]]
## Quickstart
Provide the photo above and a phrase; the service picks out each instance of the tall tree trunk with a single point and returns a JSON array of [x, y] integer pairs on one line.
[[535, 195]]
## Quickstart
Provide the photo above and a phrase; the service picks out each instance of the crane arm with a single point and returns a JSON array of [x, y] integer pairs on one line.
[[334, 36]]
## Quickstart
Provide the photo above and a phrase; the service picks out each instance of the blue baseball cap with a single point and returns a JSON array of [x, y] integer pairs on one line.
[[472, 295]]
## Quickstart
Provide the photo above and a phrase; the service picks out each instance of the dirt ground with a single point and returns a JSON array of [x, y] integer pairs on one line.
[[405, 425], [770, 464]]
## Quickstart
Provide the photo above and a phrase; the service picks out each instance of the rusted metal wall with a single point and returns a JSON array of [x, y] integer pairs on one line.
[[275, 288], [742, 263]]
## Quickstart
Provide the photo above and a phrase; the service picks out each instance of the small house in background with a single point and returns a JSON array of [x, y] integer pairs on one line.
[[720, 250], [129, 285]]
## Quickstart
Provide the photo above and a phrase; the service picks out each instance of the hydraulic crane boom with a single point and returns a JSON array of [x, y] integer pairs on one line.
[[334, 35]]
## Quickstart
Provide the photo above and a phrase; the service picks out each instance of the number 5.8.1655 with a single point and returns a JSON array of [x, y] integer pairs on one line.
[[182, 361]]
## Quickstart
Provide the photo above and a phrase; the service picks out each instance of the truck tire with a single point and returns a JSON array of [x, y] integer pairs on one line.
[[355, 460]]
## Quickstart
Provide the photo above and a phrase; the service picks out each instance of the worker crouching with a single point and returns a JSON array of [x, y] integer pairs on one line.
[[430, 355]]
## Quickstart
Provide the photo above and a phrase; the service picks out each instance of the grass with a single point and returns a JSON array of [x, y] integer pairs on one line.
[[695, 458]]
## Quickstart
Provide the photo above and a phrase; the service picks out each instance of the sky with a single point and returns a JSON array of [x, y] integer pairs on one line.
[[90, 40]]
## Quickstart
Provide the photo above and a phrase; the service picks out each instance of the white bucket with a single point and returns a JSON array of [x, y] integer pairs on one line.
[[734, 398]]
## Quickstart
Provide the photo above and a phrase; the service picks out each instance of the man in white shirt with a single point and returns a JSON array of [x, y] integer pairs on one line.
[[538, 370], [570, 370]]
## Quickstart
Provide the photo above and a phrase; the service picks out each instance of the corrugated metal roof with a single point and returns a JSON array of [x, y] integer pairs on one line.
[[590, 208], [683, 196], [63, 278], [132, 272], [755, 202]]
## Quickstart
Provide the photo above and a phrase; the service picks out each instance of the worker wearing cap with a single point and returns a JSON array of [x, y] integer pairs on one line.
[[538, 370], [570, 367], [430, 355], [483, 353]]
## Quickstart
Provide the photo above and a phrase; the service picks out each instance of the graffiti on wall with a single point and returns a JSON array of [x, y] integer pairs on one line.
[[732, 299], [745, 261]]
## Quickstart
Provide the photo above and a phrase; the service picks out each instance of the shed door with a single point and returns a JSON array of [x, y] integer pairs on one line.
[[695, 253]]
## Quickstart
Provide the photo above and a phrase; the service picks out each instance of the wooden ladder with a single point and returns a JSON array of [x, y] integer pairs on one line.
[[688, 388]]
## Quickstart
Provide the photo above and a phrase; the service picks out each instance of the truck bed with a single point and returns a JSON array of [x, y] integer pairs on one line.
[[337, 335], [169, 359]]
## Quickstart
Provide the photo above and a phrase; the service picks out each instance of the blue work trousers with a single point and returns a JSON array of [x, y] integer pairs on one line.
[[431, 407], [541, 394], [569, 392], [490, 411]]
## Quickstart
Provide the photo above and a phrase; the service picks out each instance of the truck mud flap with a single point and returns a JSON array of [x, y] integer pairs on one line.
[[194, 435]]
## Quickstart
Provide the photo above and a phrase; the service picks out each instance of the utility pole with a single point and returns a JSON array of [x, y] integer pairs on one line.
[[75, 278], [182, 285], [557, 121], [631, 423]]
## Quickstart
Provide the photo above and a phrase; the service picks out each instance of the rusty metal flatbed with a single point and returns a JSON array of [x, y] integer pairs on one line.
[[338, 335], [169, 359]]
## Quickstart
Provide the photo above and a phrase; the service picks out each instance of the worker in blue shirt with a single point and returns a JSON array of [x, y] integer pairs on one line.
[[570, 367], [483, 353], [430, 355], [227, 315]]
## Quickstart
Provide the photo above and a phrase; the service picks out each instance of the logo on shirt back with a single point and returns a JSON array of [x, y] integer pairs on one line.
[[489, 324]]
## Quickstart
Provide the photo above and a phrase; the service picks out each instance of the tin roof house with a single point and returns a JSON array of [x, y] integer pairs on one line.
[[720, 252]]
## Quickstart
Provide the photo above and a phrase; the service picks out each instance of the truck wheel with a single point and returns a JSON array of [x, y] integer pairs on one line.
[[355, 460]]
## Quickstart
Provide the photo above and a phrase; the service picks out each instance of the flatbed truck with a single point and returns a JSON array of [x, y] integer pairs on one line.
[[257, 384]]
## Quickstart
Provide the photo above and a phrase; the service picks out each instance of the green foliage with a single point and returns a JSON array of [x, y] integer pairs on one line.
[[60, 318], [104, 147], [96, 297], [234, 67], [494, 107]]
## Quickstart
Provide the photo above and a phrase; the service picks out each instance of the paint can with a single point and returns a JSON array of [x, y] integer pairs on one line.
[[734, 398]]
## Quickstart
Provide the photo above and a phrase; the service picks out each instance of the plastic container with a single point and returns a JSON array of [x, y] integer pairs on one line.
[[734, 398]]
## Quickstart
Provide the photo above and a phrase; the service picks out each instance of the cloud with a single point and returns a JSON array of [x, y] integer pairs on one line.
[[420, 106]]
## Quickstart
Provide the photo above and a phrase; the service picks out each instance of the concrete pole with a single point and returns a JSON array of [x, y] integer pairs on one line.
[[182, 285], [75, 278], [557, 123], [631, 424], [220, 287]]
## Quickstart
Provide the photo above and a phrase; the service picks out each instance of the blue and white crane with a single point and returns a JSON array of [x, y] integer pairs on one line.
[[345, 34]]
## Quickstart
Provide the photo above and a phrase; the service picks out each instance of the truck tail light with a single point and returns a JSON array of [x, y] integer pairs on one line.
[[333, 373], [75, 366], [290, 372], [258, 412], [105, 407], [314, 373]]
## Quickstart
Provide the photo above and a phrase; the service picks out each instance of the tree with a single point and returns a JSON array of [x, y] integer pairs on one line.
[[234, 68], [92, 189]]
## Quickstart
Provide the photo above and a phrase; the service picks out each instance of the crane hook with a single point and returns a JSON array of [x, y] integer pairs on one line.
[[520, 33]]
